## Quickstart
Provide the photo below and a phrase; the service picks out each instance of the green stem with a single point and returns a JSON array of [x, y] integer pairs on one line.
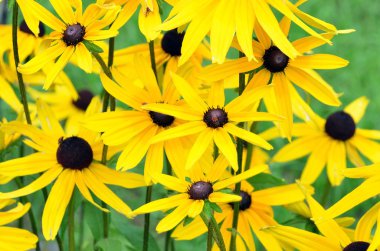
[[32, 219], [217, 235], [148, 198], [71, 225], [153, 58], [209, 237], [240, 161], [17, 61], [167, 240]]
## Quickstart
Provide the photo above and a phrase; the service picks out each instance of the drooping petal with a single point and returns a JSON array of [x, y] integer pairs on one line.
[[162, 204], [199, 147], [219, 197], [226, 146], [247, 136], [357, 108], [175, 217], [180, 131]]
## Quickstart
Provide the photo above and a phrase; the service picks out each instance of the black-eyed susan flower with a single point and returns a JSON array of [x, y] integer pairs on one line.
[[135, 128], [274, 66], [330, 141], [223, 19], [213, 121], [193, 191], [71, 161], [255, 212], [14, 239], [362, 238], [70, 34], [368, 189]]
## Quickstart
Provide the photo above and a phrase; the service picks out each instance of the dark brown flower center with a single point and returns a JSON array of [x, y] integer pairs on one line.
[[340, 125], [171, 43], [74, 153], [357, 246], [215, 117], [73, 34], [275, 60], [25, 28], [200, 190], [84, 99], [161, 119], [245, 202]]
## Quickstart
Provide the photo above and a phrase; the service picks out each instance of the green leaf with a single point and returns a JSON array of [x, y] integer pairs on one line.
[[215, 207], [114, 243], [207, 209], [92, 47], [187, 220], [265, 180], [11, 3]]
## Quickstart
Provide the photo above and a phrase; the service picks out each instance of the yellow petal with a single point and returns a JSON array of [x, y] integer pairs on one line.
[[357, 108], [84, 57], [64, 10], [154, 162], [49, 122], [162, 204], [319, 61], [195, 208], [219, 197], [199, 147], [175, 217], [280, 195], [226, 145], [177, 111], [245, 19], [366, 223], [173, 183], [247, 136], [180, 131]]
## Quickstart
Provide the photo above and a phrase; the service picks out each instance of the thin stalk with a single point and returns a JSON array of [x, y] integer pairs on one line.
[[17, 61], [216, 234], [239, 150], [71, 225], [32, 219], [209, 237], [148, 198], [169, 171], [153, 58], [167, 241]]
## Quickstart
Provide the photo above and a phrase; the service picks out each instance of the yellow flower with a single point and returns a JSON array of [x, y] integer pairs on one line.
[[13, 238], [135, 128], [213, 121], [329, 142], [70, 34], [70, 159], [224, 18], [255, 212], [201, 185], [274, 66]]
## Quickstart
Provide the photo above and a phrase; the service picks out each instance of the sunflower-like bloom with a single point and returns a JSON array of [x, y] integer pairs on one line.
[[70, 34], [213, 121], [224, 18], [70, 159], [201, 185], [149, 16], [255, 212], [135, 128], [330, 141], [282, 71], [368, 189], [14, 239], [67, 108]]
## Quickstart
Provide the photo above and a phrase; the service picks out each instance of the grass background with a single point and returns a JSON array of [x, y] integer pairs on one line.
[[360, 77]]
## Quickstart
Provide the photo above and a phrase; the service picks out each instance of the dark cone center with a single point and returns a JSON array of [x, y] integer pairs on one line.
[[215, 117], [161, 119], [357, 246], [171, 43], [275, 60], [25, 28], [245, 202], [73, 34], [340, 125], [84, 100], [200, 190], [74, 153]]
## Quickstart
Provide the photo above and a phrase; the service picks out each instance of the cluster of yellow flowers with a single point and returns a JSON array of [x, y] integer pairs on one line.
[[170, 116]]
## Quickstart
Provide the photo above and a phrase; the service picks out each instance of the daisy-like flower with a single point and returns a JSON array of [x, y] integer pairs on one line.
[[224, 18], [70, 34], [14, 239], [70, 159], [201, 185], [149, 16], [65, 107], [213, 121], [255, 212], [274, 66], [330, 141], [368, 189], [135, 128]]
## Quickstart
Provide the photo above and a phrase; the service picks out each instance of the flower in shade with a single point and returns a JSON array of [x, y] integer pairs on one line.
[[223, 19], [213, 121], [135, 128], [330, 141], [68, 159], [274, 66], [255, 212], [14, 239], [200, 186], [71, 33]]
